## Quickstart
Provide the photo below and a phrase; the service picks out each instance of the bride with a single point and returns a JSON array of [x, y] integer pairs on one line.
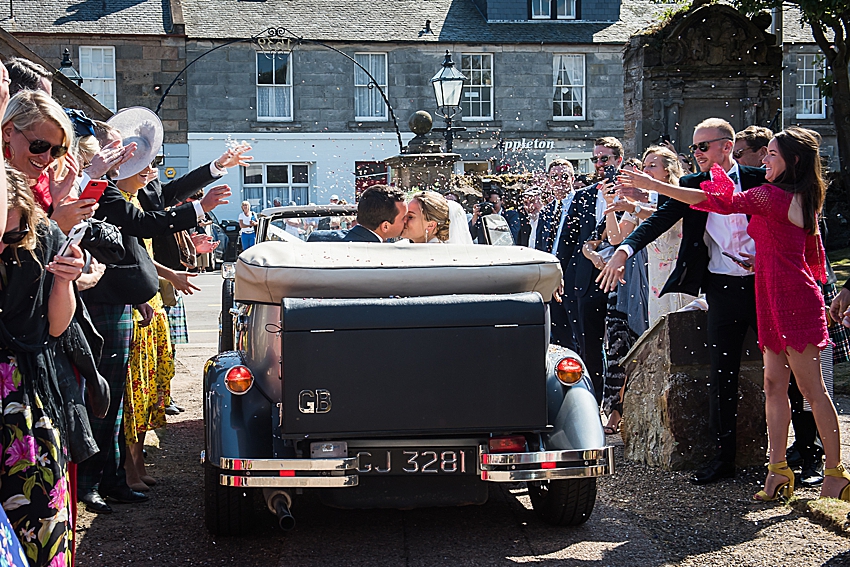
[[433, 219]]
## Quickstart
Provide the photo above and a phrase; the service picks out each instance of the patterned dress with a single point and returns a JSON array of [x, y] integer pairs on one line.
[[789, 304], [150, 367], [663, 253]]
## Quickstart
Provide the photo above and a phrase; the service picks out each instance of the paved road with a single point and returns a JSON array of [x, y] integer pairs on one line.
[[643, 517]]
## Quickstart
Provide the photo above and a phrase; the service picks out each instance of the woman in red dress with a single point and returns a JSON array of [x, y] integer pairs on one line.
[[789, 305]]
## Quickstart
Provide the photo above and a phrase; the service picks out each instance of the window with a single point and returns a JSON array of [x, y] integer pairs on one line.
[[368, 103], [476, 101], [553, 9], [97, 67], [276, 184], [569, 84], [274, 86], [810, 102]]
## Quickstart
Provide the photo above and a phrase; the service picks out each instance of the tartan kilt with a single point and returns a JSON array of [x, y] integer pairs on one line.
[[838, 333], [177, 325]]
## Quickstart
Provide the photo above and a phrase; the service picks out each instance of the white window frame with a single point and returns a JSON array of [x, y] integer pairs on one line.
[[537, 7], [264, 186], [274, 87], [810, 66], [104, 81], [374, 98], [570, 14], [556, 76], [469, 87]]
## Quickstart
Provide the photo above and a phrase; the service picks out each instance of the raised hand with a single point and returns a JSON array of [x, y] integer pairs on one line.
[[634, 179], [234, 156], [612, 274], [216, 196], [61, 188], [111, 155], [70, 211], [67, 268], [204, 243]]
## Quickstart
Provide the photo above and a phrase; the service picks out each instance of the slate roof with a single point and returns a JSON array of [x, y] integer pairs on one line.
[[119, 17], [796, 31], [456, 21]]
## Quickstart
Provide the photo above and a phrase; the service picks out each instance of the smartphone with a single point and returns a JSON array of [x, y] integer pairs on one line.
[[94, 190], [74, 237], [610, 173], [737, 260]]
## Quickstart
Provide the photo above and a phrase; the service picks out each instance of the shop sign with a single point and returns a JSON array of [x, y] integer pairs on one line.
[[529, 144]]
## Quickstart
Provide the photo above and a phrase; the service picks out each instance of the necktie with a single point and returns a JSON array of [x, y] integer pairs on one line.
[[734, 176]]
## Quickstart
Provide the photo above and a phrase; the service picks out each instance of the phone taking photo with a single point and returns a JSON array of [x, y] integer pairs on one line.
[[94, 190], [739, 261], [610, 173], [74, 237]]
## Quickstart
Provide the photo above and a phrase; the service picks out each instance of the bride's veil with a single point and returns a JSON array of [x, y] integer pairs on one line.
[[458, 227]]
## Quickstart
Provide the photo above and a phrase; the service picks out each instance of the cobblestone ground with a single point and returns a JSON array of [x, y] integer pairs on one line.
[[643, 517]]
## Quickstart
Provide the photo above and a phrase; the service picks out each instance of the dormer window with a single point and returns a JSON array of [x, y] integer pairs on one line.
[[553, 9]]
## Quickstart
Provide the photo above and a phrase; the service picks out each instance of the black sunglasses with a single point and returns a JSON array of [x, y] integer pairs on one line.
[[38, 147], [15, 236], [603, 159], [703, 146], [738, 153], [157, 161]]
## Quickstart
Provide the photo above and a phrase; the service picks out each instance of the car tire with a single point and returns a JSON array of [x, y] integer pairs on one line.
[[227, 510], [567, 502], [225, 319]]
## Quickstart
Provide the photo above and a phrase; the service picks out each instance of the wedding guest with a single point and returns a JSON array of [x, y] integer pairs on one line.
[[790, 260], [25, 74], [751, 145], [37, 303], [247, 224], [532, 225]]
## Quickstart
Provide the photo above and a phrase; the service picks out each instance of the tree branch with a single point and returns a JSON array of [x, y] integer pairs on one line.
[[820, 37]]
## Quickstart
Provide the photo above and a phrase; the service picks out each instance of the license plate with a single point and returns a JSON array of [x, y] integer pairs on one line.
[[392, 461]]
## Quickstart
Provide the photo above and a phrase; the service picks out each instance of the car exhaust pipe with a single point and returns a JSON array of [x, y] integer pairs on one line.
[[279, 502]]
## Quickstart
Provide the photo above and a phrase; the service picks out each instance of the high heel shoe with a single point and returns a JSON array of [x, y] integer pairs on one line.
[[840, 472], [786, 488]]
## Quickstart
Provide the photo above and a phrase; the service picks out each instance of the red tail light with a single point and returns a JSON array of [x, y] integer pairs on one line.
[[569, 371], [507, 444], [239, 380]]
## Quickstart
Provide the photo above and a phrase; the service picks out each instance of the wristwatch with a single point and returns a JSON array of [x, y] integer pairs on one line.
[[638, 208]]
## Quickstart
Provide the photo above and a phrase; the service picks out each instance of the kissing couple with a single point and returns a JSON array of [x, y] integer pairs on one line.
[[383, 213]]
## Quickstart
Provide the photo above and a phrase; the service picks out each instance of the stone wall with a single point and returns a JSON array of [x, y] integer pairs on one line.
[[141, 64], [665, 408]]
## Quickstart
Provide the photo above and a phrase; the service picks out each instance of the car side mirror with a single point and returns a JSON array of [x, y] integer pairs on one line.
[[496, 230]]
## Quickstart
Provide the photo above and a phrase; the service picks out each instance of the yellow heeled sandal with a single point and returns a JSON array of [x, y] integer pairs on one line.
[[840, 472], [786, 489]]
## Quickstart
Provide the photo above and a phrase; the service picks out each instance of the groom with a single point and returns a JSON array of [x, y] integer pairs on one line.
[[380, 215]]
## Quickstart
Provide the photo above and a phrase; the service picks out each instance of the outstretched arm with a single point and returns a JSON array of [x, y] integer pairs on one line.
[[640, 180]]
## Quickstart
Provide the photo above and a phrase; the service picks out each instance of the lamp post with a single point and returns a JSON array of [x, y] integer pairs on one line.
[[448, 87], [66, 67]]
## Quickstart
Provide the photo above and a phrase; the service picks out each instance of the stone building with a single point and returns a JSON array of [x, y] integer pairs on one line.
[[546, 77]]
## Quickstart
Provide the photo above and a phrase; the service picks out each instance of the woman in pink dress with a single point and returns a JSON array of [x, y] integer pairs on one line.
[[791, 317]]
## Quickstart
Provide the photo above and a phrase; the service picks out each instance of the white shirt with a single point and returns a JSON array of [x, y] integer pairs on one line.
[[601, 205], [728, 233], [533, 220], [565, 209], [246, 219]]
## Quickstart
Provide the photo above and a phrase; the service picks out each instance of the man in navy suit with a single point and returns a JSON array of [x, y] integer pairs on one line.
[[381, 212], [702, 266], [531, 225]]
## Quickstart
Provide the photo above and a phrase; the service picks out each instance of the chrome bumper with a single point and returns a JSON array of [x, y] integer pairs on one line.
[[342, 472], [290, 473], [547, 465]]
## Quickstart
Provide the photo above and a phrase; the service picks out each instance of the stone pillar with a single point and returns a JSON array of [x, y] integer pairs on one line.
[[665, 409]]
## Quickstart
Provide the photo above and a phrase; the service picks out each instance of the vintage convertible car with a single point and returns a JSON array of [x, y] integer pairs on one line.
[[390, 375]]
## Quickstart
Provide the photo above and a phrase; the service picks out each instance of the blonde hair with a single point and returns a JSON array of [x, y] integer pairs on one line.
[[722, 126], [435, 208], [669, 161], [20, 197], [28, 108]]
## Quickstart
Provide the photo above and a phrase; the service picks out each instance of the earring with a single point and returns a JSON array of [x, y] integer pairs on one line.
[[7, 151], [426, 235]]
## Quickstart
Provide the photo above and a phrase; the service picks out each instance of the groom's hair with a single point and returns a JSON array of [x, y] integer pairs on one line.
[[378, 204]]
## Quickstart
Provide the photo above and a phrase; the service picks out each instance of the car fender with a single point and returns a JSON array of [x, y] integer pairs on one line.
[[572, 410], [235, 426]]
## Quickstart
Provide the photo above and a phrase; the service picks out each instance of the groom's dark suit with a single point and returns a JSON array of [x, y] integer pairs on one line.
[[358, 233], [731, 301]]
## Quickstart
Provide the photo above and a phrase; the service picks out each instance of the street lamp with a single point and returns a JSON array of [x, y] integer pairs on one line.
[[448, 86], [67, 68]]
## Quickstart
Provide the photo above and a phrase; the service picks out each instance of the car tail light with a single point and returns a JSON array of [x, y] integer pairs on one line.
[[239, 380], [507, 444], [569, 371]]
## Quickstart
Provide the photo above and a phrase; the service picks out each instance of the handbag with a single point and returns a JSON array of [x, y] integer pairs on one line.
[[188, 255], [167, 292], [103, 241]]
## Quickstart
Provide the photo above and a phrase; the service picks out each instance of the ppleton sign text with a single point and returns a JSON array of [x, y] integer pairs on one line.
[[532, 144]]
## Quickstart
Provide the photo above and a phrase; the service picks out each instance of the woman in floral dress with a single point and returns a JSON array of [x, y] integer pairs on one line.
[[151, 362], [36, 305]]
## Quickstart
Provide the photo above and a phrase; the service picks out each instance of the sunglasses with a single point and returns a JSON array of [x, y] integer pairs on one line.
[[601, 159], [157, 161], [738, 153], [38, 147], [15, 236], [703, 146]]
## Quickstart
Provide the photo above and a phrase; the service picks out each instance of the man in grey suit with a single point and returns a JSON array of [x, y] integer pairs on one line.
[[381, 212]]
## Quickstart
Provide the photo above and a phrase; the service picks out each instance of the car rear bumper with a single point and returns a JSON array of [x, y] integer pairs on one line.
[[343, 472]]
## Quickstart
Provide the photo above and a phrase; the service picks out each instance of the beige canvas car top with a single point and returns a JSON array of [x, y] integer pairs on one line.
[[270, 271]]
